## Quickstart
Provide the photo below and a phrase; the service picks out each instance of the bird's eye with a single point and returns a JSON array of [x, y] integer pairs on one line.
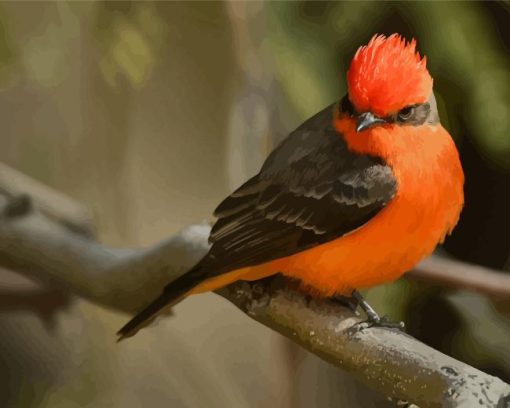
[[406, 113]]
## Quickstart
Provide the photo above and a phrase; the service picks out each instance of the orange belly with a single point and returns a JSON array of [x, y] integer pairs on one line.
[[382, 250], [426, 208]]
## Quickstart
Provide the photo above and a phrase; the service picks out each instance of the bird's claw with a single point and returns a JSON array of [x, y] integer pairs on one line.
[[373, 319], [385, 321]]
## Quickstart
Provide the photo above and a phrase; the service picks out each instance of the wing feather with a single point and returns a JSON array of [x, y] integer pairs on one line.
[[311, 189]]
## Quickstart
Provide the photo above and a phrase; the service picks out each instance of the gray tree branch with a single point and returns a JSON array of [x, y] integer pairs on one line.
[[462, 275], [51, 250]]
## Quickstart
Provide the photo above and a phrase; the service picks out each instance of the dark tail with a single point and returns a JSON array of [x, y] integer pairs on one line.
[[172, 294]]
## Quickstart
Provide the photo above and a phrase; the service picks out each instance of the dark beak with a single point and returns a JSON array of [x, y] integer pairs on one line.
[[367, 120]]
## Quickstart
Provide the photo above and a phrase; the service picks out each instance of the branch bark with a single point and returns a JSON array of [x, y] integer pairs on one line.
[[46, 249]]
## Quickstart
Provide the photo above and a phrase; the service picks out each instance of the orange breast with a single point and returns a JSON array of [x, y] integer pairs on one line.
[[426, 207]]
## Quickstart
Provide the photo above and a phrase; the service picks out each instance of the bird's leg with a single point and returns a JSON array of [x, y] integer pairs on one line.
[[372, 315], [373, 319]]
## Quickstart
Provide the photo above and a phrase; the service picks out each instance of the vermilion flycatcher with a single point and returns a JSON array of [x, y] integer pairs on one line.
[[354, 197]]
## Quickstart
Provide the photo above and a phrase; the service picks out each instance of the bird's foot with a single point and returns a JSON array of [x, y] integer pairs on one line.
[[373, 319], [385, 321]]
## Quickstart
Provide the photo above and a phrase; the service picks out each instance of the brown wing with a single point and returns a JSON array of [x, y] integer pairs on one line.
[[310, 190]]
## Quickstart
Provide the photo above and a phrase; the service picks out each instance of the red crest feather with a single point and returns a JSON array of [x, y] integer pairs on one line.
[[387, 75]]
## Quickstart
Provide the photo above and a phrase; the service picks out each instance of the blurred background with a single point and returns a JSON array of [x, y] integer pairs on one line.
[[150, 113]]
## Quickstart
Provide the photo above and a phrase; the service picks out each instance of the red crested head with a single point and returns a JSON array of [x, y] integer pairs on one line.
[[387, 75]]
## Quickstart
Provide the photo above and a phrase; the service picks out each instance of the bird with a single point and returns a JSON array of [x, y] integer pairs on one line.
[[354, 197]]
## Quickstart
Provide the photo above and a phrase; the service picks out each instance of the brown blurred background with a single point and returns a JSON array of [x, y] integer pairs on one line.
[[150, 113]]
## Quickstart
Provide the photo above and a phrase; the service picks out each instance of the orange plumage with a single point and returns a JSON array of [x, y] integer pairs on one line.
[[354, 197], [425, 209], [384, 76]]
